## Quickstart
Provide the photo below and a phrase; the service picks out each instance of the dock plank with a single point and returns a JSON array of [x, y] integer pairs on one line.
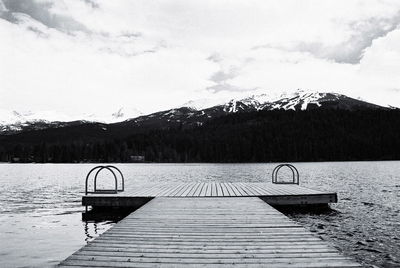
[[208, 189], [197, 190], [233, 190], [203, 232], [193, 190], [215, 189], [203, 189], [225, 190]]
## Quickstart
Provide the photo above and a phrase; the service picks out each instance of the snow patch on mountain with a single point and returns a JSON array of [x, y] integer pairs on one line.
[[192, 112], [201, 104], [298, 100], [14, 117], [123, 114], [17, 120]]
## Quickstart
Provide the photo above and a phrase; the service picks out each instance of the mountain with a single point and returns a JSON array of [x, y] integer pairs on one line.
[[193, 113], [256, 136], [301, 126], [12, 122], [297, 101], [200, 104]]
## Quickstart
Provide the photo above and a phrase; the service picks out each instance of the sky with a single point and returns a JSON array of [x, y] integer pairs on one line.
[[92, 56]]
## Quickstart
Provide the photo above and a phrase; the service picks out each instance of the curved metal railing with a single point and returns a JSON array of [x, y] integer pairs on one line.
[[295, 173], [105, 191]]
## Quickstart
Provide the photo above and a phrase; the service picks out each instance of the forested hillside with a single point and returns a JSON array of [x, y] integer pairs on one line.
[[264, 136]]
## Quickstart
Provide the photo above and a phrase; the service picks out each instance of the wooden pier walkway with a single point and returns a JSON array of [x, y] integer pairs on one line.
[[275, 194], [207, 232]]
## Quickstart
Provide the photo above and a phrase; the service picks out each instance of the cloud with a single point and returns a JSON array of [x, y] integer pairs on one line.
[[351, 49], [229, 69], [87, 55], [40, 11], [215, 57], [363, 34], [92, 3], [222, 76], [228, 87]]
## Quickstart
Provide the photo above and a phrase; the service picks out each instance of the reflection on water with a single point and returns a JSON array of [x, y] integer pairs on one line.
[[97, 221], [41, 212], [94, 229], [90, 231]]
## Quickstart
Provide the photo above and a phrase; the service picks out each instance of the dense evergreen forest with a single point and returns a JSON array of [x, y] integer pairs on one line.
[[264, 136]]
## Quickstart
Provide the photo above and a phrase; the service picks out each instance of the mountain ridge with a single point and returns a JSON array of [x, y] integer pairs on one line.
[[258, 136], [12, 122], [195, 114]]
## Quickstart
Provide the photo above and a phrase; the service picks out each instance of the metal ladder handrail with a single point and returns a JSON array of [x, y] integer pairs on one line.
[[99, 169], [112, 167], [295, 173]]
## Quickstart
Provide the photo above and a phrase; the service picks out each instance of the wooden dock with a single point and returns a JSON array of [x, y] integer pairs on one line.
[[208, 232], [274, 194]]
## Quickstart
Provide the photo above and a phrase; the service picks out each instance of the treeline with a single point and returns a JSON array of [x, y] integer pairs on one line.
[[316, 135]]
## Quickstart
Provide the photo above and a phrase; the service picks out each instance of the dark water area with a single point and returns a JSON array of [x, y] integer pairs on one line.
[[41, 213], [365, 223]]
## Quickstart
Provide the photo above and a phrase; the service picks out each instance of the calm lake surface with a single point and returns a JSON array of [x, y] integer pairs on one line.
[[41, 216]]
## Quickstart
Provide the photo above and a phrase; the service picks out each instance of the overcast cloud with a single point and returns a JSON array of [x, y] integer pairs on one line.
[[82, 56]]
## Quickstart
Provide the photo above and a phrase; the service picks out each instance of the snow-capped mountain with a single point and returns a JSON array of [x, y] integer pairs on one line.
[[192, 113], [302, 100], [119, 115], [17, 121], [299, 100], [200, 104]]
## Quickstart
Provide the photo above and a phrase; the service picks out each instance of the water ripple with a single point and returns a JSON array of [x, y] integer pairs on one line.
[[40, 206]]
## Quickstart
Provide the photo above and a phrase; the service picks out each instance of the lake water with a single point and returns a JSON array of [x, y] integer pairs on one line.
[[41, 221]]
